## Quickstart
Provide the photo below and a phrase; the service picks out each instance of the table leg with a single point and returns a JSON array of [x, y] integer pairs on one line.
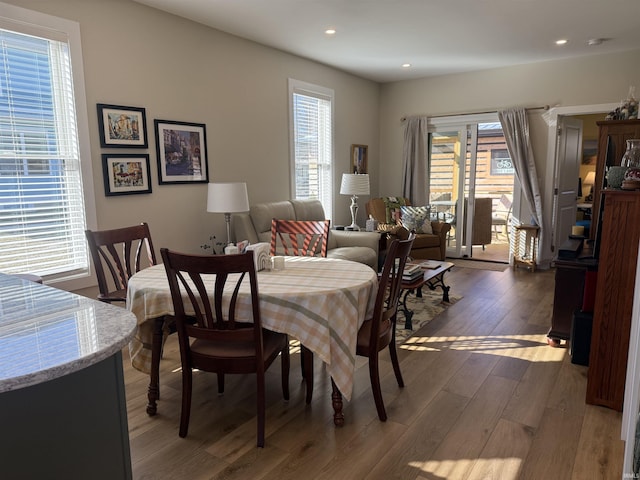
[[438, 281], [154, 376], [306, 359], [408, 314], [336, 401]]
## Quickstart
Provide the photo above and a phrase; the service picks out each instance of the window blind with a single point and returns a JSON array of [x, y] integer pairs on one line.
[[313, 148], [42, 213]]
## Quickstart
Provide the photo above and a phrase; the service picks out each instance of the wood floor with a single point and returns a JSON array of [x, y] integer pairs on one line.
[[485, 398]]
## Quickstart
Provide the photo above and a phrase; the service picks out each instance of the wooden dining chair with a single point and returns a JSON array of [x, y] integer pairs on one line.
[[117, 255], [300, 237], [220, 341], [379, 331]]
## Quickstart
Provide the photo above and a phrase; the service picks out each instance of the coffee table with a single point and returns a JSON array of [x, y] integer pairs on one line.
[[432, 278]]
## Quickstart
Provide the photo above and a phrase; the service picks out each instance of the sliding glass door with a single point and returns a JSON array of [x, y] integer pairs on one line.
[[471, 187]]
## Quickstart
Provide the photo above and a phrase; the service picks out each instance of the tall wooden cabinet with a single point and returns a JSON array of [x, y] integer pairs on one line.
[[612, 143], [618, 255]]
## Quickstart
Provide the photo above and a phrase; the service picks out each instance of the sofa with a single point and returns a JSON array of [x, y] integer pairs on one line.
[[430, 246], [255, 227]]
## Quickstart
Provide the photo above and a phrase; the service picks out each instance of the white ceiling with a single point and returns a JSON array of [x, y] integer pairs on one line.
[[375, 37]]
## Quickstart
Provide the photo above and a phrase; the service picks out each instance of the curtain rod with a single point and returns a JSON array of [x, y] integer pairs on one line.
[[544, 107]]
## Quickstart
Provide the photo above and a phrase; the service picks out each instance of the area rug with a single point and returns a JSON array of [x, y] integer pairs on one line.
[[480, 265], [424, 309]]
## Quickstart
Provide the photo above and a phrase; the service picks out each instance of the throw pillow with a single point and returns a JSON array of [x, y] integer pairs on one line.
[[392, 207], [417, 218]]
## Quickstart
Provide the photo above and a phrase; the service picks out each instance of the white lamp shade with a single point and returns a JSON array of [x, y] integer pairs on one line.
[[227, 198], [354, 184], [590, 179]]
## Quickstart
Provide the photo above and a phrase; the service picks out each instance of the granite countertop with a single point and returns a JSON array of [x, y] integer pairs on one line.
[[46, 333]]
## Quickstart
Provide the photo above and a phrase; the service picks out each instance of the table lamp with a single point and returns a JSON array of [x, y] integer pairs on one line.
[[354, 184], [589, 180], [227, 198]]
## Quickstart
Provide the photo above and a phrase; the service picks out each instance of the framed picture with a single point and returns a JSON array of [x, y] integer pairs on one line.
[[122, 127], [589, 152], [359, 158], [126, 174], [182, 152]]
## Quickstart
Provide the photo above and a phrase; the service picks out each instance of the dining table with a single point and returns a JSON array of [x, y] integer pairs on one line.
[[321, 302]]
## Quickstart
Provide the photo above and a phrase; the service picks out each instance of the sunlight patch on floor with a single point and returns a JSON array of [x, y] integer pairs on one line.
[[503, 468], [503, 345]]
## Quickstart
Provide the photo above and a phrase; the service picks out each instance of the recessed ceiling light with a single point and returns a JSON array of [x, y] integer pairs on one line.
[[406, 65], [561, 42], [595, 41], [330, 31]]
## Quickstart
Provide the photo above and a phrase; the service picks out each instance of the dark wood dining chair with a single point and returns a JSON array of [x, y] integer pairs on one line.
[[117, 256], [300, 237], [219, 341], [379, 331]]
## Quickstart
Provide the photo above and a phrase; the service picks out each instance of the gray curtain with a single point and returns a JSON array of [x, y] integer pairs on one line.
[[515, 126], [415, 168]]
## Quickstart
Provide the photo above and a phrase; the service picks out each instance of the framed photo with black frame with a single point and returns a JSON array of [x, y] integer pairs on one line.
[[126, 174], [122, 127], [181, 152]]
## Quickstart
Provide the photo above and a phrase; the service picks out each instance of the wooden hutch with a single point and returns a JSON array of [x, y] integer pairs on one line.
[[612, 143], [615, 227]]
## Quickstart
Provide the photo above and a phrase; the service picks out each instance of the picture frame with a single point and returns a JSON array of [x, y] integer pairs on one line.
[[126, 174], [359, 158], [589, 151], [122, 127], [181, 152]]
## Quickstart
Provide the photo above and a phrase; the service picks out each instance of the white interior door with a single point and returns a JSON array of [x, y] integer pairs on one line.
[[568, 158]]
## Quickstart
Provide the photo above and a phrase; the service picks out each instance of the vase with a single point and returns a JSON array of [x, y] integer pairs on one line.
[[631, 157]]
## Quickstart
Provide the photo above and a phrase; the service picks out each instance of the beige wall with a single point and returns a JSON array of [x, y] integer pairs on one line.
[[593, 80], [181, 70]]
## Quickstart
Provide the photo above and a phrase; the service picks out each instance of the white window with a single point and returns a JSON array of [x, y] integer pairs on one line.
[[43, 137], [311, 123]]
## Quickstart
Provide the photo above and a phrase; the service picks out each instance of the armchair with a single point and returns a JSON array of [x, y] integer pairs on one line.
[[431, 246]]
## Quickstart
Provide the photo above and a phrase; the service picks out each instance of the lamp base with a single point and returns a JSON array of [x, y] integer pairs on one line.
[[354, 213]]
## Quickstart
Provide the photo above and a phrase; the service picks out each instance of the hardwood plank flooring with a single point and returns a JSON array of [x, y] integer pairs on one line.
[[485, 397]]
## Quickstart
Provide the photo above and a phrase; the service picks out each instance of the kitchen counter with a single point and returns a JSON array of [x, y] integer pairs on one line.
[[46, 333], [61, 384]]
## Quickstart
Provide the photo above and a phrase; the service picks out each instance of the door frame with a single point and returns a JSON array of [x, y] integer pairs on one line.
[[462, 124], [550, 197]]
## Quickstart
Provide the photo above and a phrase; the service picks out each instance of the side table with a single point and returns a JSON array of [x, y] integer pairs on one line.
[[525, 246]]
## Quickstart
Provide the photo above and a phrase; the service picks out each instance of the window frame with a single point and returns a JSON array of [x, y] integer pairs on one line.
[[24, 21], [324, 93]]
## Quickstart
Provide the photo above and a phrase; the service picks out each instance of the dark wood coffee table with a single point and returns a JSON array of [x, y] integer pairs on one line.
[[432, 278]]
